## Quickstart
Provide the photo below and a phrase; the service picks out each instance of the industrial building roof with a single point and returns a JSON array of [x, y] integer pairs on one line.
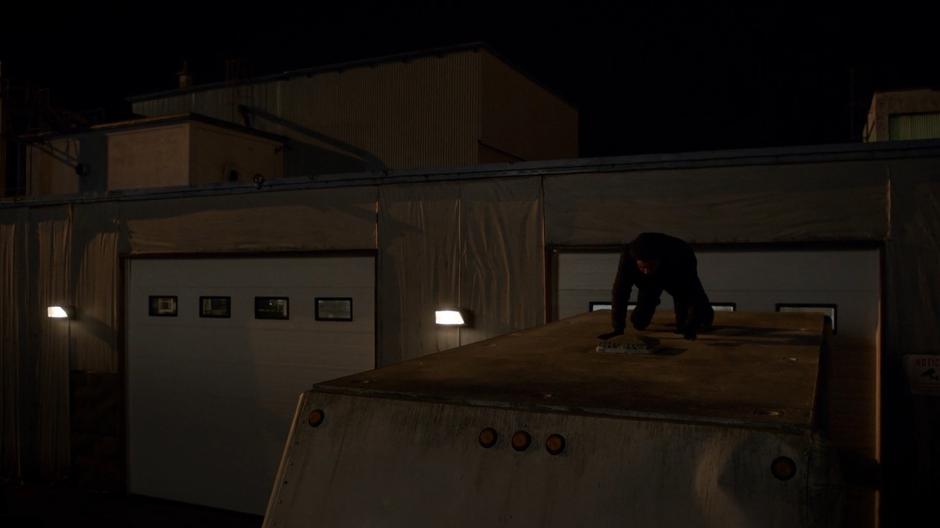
[[163, 120], [338, 67], [929, 148]]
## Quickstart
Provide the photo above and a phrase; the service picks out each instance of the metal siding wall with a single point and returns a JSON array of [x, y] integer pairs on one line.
[[523, 119], [416, 114]]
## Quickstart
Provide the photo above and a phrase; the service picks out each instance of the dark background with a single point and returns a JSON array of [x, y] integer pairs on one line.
[[646, 77]]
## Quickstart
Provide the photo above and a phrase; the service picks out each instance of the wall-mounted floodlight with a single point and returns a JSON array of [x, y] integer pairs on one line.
[[450, 317], [60, 312]]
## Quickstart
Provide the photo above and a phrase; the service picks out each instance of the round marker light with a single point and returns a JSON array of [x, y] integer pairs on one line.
[[555, 444], [315, 418], [784, 468], [488, 437], [521, 440]]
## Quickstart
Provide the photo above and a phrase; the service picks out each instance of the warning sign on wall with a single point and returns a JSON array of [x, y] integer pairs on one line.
[[923, 371]]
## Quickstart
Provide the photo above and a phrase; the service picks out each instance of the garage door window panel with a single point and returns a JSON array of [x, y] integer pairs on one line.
[[163, 306], [829, 310], [272, 308], [333, 309], [215, 307]]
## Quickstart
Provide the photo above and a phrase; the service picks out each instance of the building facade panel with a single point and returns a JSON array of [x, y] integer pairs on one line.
[[149, 157], [220, 155], [887, 107], [520, 119], [419, 113], [50, 167]]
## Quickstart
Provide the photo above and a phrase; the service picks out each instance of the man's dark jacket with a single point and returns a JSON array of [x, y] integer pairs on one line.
[[676, 274]]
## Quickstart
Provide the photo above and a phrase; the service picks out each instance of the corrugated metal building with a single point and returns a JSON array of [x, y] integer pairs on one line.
[[442, 108]]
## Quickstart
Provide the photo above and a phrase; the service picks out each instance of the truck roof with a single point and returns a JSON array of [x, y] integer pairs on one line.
[[752, 370]]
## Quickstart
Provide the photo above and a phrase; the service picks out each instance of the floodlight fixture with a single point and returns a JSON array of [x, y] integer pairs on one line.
[[451, 317], [60, 312]]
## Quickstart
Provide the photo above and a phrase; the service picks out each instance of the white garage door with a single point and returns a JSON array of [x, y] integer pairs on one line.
[[218, 350], [756, 281]]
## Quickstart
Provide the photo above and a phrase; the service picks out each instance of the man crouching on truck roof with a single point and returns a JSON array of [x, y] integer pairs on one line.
[[655, 262]]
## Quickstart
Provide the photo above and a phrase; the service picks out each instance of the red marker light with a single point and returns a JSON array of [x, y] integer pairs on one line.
[[555, 444], [315, 418], [488, 437], [784, 468], [521, 440]]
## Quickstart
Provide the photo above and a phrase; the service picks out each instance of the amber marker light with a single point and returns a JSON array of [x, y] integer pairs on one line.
[[488, 437], [555, 444], [315, 418], [521, 440], [784, 468]]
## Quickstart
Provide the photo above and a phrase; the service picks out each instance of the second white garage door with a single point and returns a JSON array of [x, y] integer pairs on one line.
[[218, 350], [755, 281]]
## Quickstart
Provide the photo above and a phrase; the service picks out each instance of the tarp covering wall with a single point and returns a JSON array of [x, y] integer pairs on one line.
[[835, 201], [419, 230], [912, 303], [51, 241], [328, 219], [470, 245], [96, 290], [9, 354]]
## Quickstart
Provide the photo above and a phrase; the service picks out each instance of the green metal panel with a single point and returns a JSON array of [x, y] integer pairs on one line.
[[914, 126]]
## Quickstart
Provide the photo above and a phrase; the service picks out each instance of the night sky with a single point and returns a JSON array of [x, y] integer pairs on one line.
[[646, 77]]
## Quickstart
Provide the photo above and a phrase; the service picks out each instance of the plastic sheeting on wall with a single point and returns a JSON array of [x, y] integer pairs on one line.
[[96, 290], [98, 238], [912, 295], [9, 354], [419, 255], [323, 219], [502, 266], [52, 246], [837, 201], [471, 245]]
